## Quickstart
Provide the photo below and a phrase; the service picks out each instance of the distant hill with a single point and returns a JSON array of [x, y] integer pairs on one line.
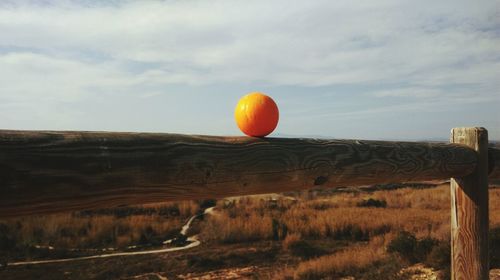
[[495, 143]]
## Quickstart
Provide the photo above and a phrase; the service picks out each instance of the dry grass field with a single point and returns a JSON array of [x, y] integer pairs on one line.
[[366, 234], [88, 231], [368, 221], [350, 216]]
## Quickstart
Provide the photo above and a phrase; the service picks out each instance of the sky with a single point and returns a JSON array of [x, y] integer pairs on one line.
[[389, 69]]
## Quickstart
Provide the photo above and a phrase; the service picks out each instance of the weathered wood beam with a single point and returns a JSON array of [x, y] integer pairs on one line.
[[469, 210], [43, 171]]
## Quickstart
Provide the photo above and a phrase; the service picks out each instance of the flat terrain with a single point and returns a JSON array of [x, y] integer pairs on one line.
[[377, 232]]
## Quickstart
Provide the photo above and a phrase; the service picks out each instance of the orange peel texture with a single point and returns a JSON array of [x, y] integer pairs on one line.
[[256, 114]]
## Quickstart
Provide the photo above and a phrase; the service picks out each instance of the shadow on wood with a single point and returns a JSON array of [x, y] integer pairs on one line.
[[43, 171]]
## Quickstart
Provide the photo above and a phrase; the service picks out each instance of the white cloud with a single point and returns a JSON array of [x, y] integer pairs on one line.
[[283, 42], [426, 50]]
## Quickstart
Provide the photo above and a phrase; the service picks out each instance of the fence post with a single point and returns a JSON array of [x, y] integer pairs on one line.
[[469, 211]]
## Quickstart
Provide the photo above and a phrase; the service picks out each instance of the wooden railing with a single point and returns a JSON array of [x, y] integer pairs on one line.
[[47, 171]]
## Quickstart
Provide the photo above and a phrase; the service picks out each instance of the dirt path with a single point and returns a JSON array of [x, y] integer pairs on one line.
[[193, 242]]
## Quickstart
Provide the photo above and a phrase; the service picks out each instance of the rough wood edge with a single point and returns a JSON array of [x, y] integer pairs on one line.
[[469, 215]]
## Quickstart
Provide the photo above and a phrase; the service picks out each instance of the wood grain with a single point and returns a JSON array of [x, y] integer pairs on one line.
[[469, 210], [44, 171]]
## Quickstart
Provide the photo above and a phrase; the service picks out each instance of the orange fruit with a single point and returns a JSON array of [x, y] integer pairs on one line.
[[256, 114]]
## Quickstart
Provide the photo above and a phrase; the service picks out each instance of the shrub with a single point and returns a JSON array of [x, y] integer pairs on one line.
[[404, 244], [440, 256], [424, 247], [372, 203], [207, 203], [306, 249], [291, 239], [413, 250]]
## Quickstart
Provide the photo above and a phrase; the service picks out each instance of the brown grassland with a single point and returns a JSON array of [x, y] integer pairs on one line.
[[367, 234], [99, 229]]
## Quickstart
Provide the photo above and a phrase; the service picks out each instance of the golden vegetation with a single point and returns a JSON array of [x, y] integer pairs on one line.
[[494, 197], [117, 227], [320, 237], [291, 239], [352, 258], [251, 227], [424, 212]]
